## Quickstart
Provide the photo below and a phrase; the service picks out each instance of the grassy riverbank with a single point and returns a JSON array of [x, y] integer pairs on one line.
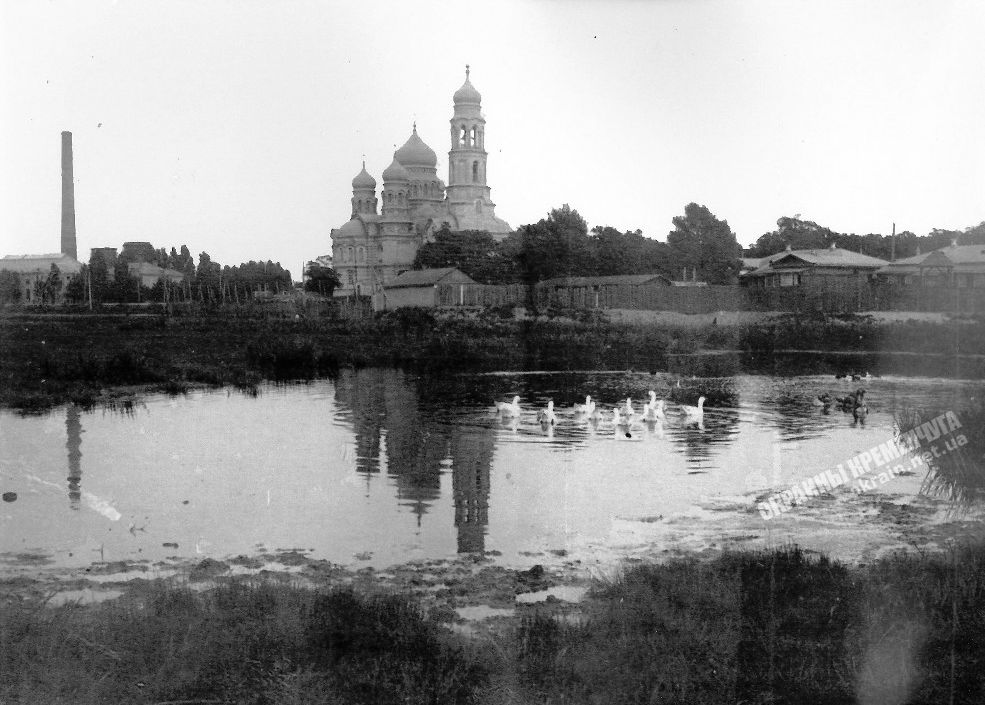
[[757, 627], [47, 359]]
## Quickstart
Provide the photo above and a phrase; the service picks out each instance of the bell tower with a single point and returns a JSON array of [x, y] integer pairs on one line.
[[467, 157]]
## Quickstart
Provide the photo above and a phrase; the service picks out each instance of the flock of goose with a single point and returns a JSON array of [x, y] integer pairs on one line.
[[621, 417], [853, 401]]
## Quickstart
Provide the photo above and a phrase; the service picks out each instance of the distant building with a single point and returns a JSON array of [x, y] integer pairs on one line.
[[419, 287], [32, 269], [371, 249], [800, 267], [149, 274], [596, 292], [961, 266]]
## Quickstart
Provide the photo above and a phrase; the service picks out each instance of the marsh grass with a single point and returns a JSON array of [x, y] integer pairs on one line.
[[780, 626], [777, 626], [240, 642], [958, 474]]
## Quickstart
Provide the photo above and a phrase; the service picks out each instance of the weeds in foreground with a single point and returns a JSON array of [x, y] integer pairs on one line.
[[955, 472], [241, 642], [779, 626]]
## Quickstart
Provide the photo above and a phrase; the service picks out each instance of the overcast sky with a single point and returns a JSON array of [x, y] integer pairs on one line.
[[236, 127]]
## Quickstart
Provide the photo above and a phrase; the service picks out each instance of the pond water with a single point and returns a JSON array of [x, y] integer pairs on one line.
[[379, 467]]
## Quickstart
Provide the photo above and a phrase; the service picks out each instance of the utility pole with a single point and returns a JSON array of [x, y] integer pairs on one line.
[[892, 245]]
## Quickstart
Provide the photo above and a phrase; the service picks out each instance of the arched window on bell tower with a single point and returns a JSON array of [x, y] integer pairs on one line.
[[475, 172]]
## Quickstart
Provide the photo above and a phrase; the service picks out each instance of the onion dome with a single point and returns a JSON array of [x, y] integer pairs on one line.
[[363, 180], [395, 172], [415, 152], [467, 94], [354, 228]]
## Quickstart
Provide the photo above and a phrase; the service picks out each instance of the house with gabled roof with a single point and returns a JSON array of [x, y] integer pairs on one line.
[[961, 266], [799, 267]]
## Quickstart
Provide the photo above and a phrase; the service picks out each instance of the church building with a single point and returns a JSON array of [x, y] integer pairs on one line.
[[375, 246]]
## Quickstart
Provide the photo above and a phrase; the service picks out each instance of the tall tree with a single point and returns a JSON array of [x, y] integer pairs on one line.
[[555, 246], [615, 252], [702, 242], [474, 252], [321, 280], [795, 233], [48, 290], [10, 287]]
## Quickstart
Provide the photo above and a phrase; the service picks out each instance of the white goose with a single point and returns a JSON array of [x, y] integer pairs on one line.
[[512, 409], [547, 417], [587, 408], [629, 410], [654, 411], [694, 412]]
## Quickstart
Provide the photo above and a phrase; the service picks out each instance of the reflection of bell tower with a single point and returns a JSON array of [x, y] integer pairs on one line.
[[471, 452], [73, 429]]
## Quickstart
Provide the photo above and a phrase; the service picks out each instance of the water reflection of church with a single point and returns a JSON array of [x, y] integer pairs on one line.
[[389, 427]]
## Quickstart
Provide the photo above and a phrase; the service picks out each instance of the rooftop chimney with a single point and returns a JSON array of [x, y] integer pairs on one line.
[[68, 199]]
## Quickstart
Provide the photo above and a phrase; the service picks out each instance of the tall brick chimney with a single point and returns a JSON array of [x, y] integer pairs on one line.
[[69, 246]]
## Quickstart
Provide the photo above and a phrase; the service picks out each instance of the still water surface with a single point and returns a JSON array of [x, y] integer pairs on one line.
[[380, 466]]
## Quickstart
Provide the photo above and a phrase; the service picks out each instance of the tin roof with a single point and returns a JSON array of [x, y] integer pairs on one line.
[[826, 257], [960, 257], [430, 277]]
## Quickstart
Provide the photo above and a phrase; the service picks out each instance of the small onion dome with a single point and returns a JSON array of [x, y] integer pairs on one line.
[[395, 172], [354, 228], [467, 94], [415, 152], [363, 180]]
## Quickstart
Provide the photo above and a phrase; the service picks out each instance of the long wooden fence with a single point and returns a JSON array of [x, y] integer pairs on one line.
[[832, 296]]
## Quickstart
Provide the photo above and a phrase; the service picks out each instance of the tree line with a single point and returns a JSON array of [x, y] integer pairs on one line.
[[700, 246], [801, 234], [104, 280]]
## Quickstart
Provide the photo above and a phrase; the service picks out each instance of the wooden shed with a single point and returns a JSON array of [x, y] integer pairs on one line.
[[425, 287]]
